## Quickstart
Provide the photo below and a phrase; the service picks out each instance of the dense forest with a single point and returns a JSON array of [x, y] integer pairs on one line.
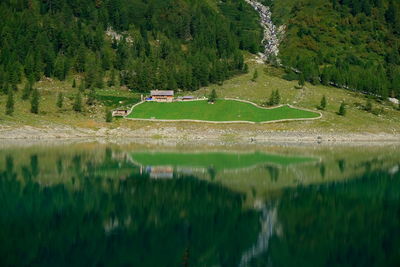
[[143, 44], [346, 43]]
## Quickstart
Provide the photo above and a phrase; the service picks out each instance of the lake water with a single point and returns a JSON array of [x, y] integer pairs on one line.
[[99, 204]]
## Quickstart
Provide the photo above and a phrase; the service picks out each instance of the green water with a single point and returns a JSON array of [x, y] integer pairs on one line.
[[109, 205]]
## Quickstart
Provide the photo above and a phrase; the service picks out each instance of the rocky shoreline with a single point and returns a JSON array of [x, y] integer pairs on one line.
[[191, 134]]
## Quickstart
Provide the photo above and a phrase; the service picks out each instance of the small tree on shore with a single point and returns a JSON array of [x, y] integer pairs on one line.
[[10, 102], [74, 83], [342, 109], [323, 103], [60, 100], [109, 116], [35, 101], [77, 103], [213, 96]]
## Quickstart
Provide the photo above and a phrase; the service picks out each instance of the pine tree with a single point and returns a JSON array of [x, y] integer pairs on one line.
[[277, 98], [60, 100], [10, 103], [368, 105], [111, 81], [213, 96], [27, 91], [35, 101], [78, 103], [109, 116], [82, 86], [255, 76], [302, 80], [342, 109], [323, 103], [91, 97], [74, 83]]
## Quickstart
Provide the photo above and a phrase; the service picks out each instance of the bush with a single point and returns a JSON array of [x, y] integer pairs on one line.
[[368, 106]]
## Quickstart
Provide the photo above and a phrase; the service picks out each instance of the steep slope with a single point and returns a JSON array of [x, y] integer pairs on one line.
[[163, 44], [348, 43]]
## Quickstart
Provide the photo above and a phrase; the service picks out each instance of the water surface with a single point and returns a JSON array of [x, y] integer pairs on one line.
[[92, 204]]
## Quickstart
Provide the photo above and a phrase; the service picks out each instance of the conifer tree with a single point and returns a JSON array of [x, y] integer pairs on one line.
[[10, 103], [323, 103], [26, 91], [342, 109], [74, 83], [111, 81], [60, 100], [35, 101], [91, 97], [109, 116], [213, 96], [368, 105], [255, 76], [302, 81], [82, 86], [77, 103]]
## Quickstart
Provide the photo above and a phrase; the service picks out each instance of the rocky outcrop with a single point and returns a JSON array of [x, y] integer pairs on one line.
[[272, 33]]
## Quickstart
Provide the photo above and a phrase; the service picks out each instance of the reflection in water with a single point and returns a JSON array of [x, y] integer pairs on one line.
[[98, 206]]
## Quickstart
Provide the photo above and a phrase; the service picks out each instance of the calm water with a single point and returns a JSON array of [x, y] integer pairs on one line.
[[130, 205]]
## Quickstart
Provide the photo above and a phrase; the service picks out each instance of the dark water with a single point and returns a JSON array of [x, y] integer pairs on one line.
[[100, 205]]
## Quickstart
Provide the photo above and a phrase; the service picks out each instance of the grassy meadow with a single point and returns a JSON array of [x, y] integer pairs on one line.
[[220, 111], [384, 118]]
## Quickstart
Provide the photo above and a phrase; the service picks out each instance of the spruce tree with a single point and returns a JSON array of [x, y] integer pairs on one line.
[[10, 103], [323, 103], [91, 97], [78, 103], [82, 86], [35, 101], [302, 80], [255, 76], [111, 81], [60, 100], [342, 109], [27, 91], [213, 96], [74, 83], [277, 98], [368, 105], [109, 116]]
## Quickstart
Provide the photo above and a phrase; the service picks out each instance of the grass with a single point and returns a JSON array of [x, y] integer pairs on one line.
[[220, 111], [357, 120], [217, 160]]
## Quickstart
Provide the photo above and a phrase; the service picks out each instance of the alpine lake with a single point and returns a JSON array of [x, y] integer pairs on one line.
[[75, 203]]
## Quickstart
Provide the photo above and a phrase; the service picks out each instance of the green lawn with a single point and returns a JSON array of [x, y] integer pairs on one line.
[[217, 160], [222, 110]]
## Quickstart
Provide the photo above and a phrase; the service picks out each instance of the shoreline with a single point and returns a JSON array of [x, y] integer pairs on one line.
[[192, 135]]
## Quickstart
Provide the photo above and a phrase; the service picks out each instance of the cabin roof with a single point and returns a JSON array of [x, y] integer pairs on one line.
[[162, 93]]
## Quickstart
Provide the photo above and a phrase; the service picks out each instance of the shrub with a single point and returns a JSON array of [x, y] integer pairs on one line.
[[78, 103], [323, 103], [60, 100], [10, 103], [109, 116], [213, 96]]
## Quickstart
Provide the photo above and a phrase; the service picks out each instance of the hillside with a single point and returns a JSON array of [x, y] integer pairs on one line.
[[347, 43]]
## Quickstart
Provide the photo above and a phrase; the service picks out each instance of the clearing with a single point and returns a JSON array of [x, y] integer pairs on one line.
[[220, 111]]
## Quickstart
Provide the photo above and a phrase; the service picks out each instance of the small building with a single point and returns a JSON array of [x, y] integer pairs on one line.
[[188, 98], [120, 112], [162, 95]]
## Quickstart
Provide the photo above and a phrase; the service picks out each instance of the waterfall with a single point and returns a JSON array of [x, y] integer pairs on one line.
[[272, 33]]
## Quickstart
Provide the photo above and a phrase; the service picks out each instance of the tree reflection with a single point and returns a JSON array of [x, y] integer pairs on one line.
[[135, 221]]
